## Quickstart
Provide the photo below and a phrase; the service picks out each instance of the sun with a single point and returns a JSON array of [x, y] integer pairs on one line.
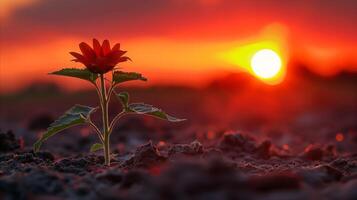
[[266, 64]]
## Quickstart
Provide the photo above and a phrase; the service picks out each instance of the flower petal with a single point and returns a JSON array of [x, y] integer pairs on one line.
[[118, 60], [116, 54], [124, 59], [105, 47], [87, 51], [116, 47], [96, 47], [79, 58], [76, 55]]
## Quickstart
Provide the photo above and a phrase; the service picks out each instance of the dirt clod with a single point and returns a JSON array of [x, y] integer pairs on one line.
[[238, 142], [193, 148], [145, 156]]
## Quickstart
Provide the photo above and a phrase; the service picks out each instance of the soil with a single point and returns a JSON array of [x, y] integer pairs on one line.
[[236, 167]]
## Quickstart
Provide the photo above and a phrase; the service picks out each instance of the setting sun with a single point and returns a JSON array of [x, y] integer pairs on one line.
[[264, 56], [266, 63]]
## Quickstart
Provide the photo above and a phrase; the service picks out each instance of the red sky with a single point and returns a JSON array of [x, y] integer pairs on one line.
[[174, 41]]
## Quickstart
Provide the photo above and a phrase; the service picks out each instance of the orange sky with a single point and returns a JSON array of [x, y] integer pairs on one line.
[[175, 41]]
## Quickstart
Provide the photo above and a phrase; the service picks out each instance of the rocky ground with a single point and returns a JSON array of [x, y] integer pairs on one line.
[[235, 167]]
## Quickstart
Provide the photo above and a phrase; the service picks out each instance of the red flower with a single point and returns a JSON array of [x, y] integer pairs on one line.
[[100, 59]]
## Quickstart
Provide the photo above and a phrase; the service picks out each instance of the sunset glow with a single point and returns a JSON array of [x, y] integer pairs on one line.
[[205, 48]]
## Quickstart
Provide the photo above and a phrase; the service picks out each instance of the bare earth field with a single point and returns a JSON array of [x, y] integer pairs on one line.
[[241, 140]]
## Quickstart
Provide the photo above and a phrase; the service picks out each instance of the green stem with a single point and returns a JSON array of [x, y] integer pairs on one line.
[[106, 130], [116, 118]]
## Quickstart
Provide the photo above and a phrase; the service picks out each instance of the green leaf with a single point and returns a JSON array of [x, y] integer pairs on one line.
[[124, 99], [96, 147], [141, 108], [84, 74], [120, 77], [78, 114]]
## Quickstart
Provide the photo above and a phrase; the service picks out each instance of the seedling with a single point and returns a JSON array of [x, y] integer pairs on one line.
[[100, 60]]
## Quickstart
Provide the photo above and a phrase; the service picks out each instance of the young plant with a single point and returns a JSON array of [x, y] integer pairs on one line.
[[100, 60]]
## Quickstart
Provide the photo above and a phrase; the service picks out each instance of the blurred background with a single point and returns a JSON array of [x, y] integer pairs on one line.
[[280, 69]]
